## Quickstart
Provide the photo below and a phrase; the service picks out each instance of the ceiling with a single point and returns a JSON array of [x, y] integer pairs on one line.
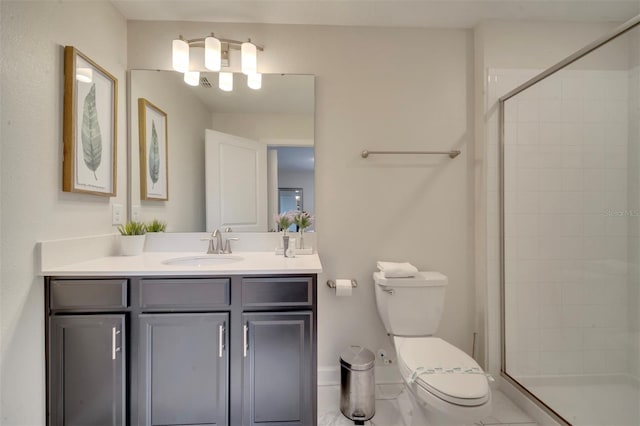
[[384, 13]]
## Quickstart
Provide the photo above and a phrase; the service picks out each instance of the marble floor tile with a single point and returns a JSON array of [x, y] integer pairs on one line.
[[505, 412], [393, 408]]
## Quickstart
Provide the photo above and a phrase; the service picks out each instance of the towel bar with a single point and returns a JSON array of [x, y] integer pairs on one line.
[[451, 154]]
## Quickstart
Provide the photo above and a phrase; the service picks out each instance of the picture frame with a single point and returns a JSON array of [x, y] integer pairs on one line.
[[90, 124], [154, 161]]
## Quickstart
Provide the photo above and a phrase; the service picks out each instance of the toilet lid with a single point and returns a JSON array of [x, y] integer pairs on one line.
[[442, 369]]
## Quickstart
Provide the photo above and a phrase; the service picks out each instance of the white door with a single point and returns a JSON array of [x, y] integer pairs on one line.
[[235, 182]]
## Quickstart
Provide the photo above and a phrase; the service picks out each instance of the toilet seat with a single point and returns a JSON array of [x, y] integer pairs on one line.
[[460, 381]]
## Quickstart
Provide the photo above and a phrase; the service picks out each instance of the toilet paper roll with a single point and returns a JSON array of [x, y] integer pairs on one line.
[[343, 288]]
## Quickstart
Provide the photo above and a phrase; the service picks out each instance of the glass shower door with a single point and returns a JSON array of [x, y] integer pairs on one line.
[[571, 228]]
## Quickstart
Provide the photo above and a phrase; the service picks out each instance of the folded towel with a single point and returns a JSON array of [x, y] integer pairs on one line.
[[397, 269]]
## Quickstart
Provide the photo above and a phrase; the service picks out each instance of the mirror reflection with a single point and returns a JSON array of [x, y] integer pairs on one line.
[[230, 154]]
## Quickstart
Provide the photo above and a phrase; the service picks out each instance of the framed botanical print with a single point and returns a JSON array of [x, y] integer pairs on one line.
[[152, 126], [89, 126]]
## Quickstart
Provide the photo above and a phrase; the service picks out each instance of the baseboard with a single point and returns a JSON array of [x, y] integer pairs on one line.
[[384, 374]]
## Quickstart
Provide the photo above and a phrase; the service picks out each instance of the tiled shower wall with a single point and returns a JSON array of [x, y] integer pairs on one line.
[[567, 219]]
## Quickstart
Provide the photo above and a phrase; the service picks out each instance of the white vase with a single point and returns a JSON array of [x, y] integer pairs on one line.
[[131, 245]]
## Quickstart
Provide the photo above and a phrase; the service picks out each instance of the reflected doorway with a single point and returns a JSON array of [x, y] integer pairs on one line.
[[290, 200]]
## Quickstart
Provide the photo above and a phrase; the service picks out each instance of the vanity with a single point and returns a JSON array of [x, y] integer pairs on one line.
[[133, 340]]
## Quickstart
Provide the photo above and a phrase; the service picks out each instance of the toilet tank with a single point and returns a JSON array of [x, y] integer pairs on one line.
[[411, 306]]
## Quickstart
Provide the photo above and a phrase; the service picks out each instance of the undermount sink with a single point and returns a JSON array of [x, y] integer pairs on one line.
[[203, 260]]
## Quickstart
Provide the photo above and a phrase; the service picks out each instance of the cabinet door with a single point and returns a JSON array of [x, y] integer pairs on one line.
[[278, 369], [183, 369], [87, 370]]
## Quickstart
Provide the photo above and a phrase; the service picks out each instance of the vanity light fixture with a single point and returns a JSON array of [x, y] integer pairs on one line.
[[216, 56], [180, 55], [225, 81], [249, 58], [254, 81], [192, 78]]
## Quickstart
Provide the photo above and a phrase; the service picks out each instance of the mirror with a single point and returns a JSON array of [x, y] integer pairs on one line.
[[279, 117]]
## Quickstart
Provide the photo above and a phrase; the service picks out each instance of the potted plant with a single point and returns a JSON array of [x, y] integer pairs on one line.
[[132, 238], [156, 226], [302, 220], [284, 221]]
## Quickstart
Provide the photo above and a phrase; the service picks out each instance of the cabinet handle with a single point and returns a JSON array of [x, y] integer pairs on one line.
[[114, 349], [246, 330], [220, 340]]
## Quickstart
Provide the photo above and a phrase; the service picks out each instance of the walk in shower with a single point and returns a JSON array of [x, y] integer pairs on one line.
[[570, 228]]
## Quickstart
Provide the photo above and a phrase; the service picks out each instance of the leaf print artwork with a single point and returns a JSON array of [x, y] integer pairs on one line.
[[91, 136], [154, 155]]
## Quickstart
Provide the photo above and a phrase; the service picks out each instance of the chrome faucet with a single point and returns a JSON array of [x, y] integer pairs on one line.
[[215, 242]]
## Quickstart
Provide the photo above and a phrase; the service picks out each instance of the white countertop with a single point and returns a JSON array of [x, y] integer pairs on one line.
[[150, 264]]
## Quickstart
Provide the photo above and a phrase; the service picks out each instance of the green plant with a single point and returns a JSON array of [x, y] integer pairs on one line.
[[303, 220], [156, 226], [283, 220], [132, 228]]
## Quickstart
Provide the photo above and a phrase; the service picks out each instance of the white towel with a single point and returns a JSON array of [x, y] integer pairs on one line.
[[397, 269]]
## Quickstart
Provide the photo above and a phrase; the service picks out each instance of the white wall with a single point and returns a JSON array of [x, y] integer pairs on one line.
[[391, 208], [33, 205], [264, 126], [187, 119]]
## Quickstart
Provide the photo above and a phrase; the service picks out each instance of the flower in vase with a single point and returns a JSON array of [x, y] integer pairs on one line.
[[303, 220], [284, 220]]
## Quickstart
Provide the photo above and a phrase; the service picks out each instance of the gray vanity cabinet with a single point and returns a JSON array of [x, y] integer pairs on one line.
[[87, 370], [202, 350], [183, 369], [278, 381]]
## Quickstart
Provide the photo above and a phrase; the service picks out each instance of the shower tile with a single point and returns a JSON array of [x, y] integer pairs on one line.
[[528, 111], [564, 339], [550, 180], [605, 361], [550, 111], [595, 135], [550, 294], [528, 134], [572, 294], [572, 132], [572, 111], [573, 87]]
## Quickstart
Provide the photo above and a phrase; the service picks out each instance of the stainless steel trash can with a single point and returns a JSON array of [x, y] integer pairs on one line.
[[357, 384]]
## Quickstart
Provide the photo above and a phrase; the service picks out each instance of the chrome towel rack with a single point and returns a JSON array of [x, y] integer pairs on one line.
[[451, 154]]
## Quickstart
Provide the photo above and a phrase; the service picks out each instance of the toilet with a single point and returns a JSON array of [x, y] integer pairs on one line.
[[445, 385]]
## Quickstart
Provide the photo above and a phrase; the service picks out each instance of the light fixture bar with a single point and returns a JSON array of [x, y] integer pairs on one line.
[[233, 44]]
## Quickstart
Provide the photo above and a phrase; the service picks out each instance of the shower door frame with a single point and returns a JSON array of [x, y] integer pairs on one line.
[[622, 29]]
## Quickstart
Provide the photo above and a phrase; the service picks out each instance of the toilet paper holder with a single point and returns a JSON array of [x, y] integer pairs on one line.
[[332, 283]]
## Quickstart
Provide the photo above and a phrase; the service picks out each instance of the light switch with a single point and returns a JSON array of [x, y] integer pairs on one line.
[[116, 214], [135, 213]]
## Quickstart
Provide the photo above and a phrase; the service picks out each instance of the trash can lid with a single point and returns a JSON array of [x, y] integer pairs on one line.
[[357, 358]]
